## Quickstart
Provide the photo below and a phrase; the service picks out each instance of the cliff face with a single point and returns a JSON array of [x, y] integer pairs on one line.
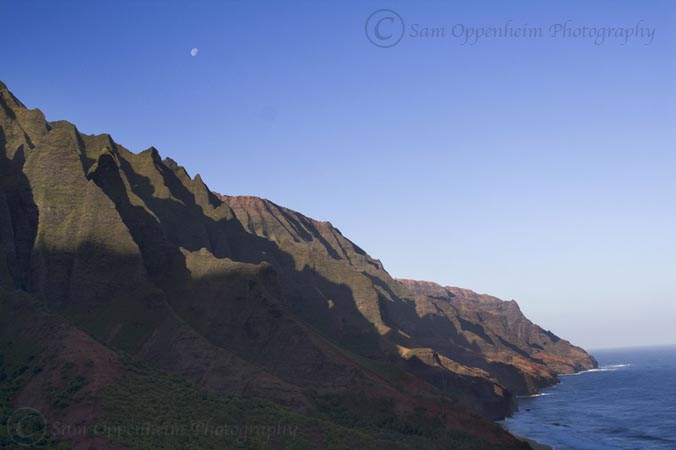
[[135, 260], [474, 331], [520, 354]]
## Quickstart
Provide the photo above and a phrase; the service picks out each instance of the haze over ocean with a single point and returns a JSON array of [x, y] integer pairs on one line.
[[535, 169]]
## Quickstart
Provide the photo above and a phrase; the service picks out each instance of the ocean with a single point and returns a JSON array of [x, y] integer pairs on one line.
[[629, 402]]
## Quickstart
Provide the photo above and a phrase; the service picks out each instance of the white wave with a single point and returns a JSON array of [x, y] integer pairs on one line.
[[615, 366], [541, 394], [607, 368]]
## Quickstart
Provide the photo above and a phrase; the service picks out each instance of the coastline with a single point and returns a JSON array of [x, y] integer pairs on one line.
[[639, 418], [533, 444], [537, 445]]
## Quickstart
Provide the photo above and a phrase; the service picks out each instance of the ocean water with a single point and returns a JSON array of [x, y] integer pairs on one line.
[[629, 402]]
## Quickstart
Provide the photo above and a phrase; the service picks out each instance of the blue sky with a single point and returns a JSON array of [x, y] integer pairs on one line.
[[538, 169]]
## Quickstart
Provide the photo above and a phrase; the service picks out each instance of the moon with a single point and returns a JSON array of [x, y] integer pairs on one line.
[[194, 51]]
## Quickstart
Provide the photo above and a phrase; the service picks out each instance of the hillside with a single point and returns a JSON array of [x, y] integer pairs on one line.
[[131, 293]]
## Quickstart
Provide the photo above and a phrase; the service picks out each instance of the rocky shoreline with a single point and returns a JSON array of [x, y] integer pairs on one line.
[[534, 445]]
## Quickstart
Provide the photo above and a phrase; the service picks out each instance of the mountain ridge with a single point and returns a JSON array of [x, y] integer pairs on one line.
[[239, 297]]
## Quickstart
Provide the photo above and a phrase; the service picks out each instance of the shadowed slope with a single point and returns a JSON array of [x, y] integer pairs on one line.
[[238, 295], [480, 334]]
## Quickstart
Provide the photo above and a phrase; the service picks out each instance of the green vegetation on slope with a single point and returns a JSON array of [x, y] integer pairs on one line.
[[148, 409], [18, 363]]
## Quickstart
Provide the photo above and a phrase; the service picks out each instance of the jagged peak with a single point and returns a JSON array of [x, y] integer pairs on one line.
[[105, 136], [176, 167], [182, 173], [111, 141], [170, 162], [6, 94], [64, 124], [154, 153]]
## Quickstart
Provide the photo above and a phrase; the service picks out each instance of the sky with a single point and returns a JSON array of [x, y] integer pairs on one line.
[[531, 165]]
